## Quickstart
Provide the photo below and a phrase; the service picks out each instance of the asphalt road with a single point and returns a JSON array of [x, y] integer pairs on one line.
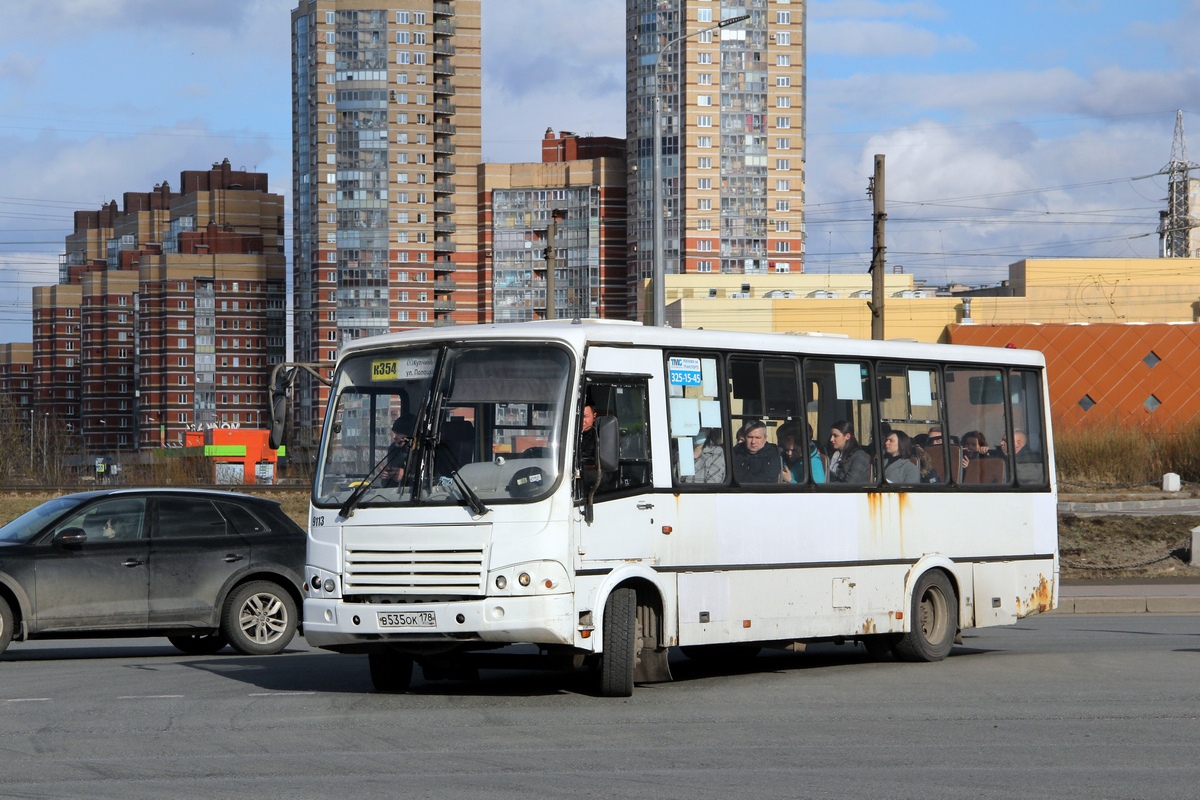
[[1058, 706]]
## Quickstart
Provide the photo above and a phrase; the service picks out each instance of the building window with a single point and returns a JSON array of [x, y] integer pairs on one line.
[[704, 100], [783, 18], [704, 224], [783, 247], [704, 245], [783, 144], [704, 204], [704, 141], [783, 38], [704, 183], [783, 186], [782, 226], [783, 164], [783, 205], [704, 79], [704, 266], [704, 121], [704, 58], [704, 15], [783, 81], [704, 163], [783, 101], [783, 61]]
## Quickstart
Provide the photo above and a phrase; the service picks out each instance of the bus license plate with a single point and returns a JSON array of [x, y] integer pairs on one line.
[[407, 619]]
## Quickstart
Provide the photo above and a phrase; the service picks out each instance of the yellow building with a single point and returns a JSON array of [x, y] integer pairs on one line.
[[1109, 290]]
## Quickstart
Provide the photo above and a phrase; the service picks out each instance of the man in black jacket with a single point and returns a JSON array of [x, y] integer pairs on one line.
[[756, 460]]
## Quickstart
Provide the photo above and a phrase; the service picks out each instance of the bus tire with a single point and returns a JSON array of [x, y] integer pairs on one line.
[[618, 660], [934, 620], [390, 672], [6, 625]]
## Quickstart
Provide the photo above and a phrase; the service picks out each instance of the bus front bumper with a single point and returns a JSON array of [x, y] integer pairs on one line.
[[544, 619]]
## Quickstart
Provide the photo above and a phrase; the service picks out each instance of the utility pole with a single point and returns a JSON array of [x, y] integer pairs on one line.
[[552, 258], [875, 190]]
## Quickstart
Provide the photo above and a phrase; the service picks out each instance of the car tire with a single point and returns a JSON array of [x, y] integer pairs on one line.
[[199, 644], [259, 618], [6, 624]]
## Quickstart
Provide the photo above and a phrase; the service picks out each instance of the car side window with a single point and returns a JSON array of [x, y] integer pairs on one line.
[[243, 520], [116, 519], [180, 517]]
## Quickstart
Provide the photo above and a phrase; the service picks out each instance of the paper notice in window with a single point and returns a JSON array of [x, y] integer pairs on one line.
[[710, 413], [685, 416], [849, 381], [919, 391], [687, 458]]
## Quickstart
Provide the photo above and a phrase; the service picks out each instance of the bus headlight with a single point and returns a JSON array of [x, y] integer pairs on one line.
[[538, 577]]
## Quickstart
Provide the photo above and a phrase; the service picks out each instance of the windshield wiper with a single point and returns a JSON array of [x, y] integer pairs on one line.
[[464, 488], [347, 508]]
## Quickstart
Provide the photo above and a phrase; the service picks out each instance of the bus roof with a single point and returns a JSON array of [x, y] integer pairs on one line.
[[581, 333]]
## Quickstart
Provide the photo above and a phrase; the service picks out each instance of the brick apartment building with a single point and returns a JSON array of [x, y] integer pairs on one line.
[[169, 314]]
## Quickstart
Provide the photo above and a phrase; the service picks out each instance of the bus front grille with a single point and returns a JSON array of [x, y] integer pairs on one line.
[[408, 571]]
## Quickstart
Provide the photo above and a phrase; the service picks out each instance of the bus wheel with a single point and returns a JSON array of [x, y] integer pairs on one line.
[[391, 671], [934, 620], [619, 658]]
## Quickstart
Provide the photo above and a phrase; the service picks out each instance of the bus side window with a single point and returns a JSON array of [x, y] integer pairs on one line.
[[764, 406], [1029, 457], [910, 405], [627, 400], [840, 402], [699, 449], [977, 428]]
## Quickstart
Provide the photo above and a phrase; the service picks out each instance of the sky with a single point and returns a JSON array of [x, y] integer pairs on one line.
[[1024, 129]]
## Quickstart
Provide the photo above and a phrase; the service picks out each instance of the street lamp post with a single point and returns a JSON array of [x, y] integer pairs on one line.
[[659, 277]]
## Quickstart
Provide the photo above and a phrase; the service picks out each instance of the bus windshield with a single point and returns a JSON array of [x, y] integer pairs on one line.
[[445, 425]]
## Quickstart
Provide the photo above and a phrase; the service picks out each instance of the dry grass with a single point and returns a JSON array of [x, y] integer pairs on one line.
[[1124, 455]]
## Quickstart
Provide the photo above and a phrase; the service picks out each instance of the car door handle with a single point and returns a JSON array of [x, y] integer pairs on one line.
[[231, 558], [133, 562], [644, 506]]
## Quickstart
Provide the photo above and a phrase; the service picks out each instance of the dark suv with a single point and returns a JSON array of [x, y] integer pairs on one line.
[[203, 568]]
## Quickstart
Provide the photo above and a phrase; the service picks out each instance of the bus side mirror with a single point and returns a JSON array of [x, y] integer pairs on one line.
[[608, 445]]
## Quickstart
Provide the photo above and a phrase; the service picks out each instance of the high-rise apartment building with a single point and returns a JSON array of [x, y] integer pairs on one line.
[[732, 149], [385, 142], [582, 180]]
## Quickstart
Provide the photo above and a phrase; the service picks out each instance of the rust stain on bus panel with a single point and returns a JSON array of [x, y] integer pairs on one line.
[[868, 627], [1039, 600]]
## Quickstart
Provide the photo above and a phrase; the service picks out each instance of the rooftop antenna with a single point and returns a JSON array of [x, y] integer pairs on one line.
[[1175, 227]]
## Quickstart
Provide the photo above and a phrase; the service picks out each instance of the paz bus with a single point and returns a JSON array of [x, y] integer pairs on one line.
[[583, 486]]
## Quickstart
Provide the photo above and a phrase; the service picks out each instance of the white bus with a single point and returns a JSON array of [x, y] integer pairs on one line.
[[918, 497]]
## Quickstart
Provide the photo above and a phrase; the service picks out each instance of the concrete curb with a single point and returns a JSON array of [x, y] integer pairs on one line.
[[1127, 605], [1162, 506]]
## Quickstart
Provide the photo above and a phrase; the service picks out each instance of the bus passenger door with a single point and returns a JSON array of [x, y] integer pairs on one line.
[[627, 517]]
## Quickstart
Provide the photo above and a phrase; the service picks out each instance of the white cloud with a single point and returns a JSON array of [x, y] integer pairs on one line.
[[863, 9], [874, 38]]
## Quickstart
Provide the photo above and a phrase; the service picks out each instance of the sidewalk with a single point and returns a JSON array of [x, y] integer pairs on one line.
[[1134, 507], [1128, 598]]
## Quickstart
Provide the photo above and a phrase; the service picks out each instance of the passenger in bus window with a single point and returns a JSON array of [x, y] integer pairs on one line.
[[793, 446], [850, 463], [974, 445], [900, 466], [709, 457], [1029, 463], [588, 466], [756, 460]]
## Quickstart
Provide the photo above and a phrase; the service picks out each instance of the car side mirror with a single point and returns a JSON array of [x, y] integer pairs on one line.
[[69, 536]]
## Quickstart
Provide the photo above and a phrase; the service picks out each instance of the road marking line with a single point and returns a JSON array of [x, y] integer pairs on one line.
[[148, 696], [27, 700], [278, 694]]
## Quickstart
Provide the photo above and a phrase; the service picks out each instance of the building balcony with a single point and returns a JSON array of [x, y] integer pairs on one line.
[[443, 27], [444, 305], [444, 207], [443, 49], [443, 87], [443, 246], [443, 187], [444, 226], [441, 9], [443, 146], [444, 166], [443, 265], [444, 286], [443, 322], [448, 128], [444, 108], [443, 67]]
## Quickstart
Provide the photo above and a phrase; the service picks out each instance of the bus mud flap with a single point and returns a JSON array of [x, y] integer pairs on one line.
[[652, 666]]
